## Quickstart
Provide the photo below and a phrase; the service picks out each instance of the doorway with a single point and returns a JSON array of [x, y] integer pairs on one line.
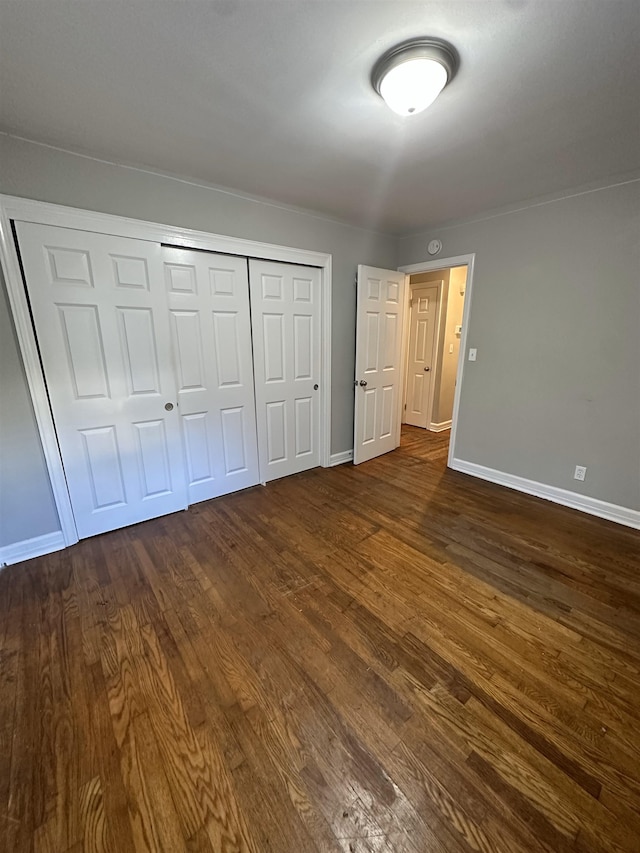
[[434, 331], [382, 351]]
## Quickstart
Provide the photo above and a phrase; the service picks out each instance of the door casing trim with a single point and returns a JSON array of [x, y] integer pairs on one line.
[[44, 213], [441, 264]]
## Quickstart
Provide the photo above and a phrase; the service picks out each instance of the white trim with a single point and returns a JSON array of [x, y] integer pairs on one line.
[[585, 189], [439, 427], [30, 548], [35, 378], [340, 458], [43, 213], [325, 365], [214, 188], [446, 263], [402, 377], [584, 503], [29, 210], [404, 355]]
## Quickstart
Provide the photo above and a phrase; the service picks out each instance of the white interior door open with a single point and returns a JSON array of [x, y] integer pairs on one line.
[[100, 313], [208, 297], [379, 315], [423, 318], [286, 322]]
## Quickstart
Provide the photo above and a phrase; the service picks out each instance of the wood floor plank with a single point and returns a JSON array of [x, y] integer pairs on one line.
[[391, 657]]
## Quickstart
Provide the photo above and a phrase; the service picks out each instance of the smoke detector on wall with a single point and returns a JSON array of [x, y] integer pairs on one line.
[[434, 247]]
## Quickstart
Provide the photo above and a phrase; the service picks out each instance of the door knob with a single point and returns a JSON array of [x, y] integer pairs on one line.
[[427, 369], [315, 387], [168, 406], [363, 383]]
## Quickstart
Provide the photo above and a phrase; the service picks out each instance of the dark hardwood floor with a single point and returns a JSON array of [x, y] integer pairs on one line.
[[394, 657]]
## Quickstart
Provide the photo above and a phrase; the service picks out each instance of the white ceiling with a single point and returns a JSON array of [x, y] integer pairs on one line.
[[273, 98]]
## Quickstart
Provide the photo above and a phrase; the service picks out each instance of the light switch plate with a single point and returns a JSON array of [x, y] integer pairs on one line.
[[473, 354]]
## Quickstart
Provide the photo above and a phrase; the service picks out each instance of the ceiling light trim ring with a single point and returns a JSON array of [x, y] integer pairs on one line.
[[418, 48]]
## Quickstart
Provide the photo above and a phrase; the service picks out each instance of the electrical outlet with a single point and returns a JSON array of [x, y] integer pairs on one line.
[[581, 472], [473, 354]]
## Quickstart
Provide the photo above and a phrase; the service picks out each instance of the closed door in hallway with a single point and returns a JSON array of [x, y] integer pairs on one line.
[[421, 360]]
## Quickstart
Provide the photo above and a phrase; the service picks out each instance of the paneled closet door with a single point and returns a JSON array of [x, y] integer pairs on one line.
[[285, 315], [208, 297], [100, 310]]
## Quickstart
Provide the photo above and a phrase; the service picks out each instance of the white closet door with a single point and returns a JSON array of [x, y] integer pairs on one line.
[[100, 312], [208, 297], [285, 314]]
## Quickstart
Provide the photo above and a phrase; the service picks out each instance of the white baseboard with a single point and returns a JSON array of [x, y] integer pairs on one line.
[[440, 427], [29, 548], [340, 458], [584, 503]]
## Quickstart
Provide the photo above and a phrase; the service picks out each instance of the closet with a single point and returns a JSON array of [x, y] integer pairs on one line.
[[174, 375]]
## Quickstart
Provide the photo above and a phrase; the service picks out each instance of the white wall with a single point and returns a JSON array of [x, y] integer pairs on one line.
[[40, 172], [556, 320]]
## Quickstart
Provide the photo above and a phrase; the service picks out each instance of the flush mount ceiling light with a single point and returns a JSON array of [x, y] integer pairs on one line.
[[410, 76]]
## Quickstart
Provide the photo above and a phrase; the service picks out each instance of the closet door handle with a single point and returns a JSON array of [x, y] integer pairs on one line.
[[427, 369], [168, 406]]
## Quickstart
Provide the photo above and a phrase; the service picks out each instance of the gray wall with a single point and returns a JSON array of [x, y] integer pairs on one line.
[[27, 508], [555, 317], [39, 172]]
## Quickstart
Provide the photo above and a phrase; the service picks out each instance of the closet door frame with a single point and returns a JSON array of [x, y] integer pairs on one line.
[[29, 210]]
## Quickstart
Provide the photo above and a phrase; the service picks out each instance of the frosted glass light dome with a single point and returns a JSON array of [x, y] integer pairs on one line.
[[410, 76], [413, 86]]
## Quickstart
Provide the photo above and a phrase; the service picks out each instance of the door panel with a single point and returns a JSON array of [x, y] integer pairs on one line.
[[99, 309], [139, 351], [153, 455], [102, 455], [386, 421], [276, 424], [423, 319], [187, 341], [199, 467], [208, 296], [285, 311], [378, 355], [82, 339]]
